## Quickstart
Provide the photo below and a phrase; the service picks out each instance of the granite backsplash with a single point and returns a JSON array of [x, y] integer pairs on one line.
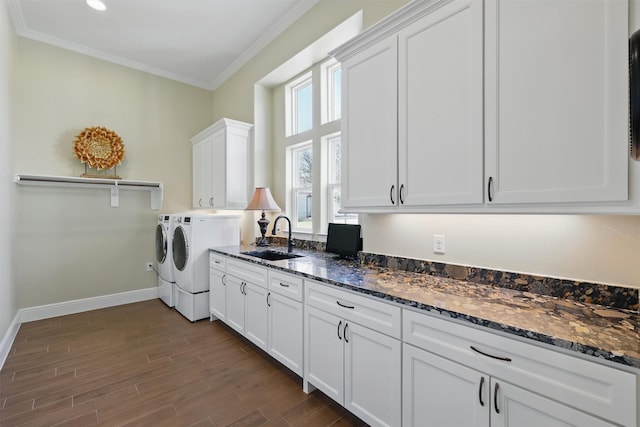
[[584, 292]]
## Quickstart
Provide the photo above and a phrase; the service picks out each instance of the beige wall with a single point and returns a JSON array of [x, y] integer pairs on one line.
[[70, 243], [8, 299], [604, 249]]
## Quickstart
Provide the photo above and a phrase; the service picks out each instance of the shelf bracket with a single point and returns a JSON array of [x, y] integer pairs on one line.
[[115, 196]]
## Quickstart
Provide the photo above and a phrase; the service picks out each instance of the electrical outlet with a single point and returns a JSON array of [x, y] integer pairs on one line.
[[149, 266], [438, 244]]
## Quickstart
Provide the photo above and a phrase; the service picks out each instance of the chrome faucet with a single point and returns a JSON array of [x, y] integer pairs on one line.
[[273, 231]]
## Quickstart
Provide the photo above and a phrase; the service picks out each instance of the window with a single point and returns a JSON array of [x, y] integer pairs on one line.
[[334, 174], [332, 83], [313, 154], [299, 104], [302, 190]]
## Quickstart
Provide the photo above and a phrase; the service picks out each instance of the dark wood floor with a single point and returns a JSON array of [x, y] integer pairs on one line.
[[144, 364]]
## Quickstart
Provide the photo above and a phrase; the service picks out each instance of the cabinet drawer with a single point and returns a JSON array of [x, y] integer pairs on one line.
[[285, 284], [589, 386], [247, 272], [377, 315], [217, 261]]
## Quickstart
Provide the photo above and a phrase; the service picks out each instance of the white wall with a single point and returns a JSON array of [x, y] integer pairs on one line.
[[70, 243], [603, 249], [8, 299]]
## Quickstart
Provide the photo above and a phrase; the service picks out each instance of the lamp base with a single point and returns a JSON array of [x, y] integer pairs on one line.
[[263, 222]]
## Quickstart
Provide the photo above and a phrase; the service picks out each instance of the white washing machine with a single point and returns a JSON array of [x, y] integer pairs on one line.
[[193, 235], [164, 258]]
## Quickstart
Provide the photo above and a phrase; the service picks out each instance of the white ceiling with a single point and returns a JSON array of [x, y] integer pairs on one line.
[[198, 42]]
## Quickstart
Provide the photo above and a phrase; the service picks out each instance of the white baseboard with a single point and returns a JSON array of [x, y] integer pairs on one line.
[[9, 337], [77, 306], [69, 307]]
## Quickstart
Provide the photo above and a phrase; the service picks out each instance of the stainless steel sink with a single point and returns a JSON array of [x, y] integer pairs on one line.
[[270, 255]]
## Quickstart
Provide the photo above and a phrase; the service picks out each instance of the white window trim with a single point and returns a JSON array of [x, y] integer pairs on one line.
[[318, 135]]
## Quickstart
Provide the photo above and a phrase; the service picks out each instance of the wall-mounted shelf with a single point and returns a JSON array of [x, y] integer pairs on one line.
[[114, 185]]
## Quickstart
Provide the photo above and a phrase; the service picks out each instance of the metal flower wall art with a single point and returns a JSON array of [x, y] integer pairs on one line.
[[99, 148]]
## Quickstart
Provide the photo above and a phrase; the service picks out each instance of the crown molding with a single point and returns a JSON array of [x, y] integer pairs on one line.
[[295, 13]]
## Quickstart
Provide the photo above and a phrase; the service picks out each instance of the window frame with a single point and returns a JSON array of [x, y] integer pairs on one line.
[[292, 89], [322, 131]]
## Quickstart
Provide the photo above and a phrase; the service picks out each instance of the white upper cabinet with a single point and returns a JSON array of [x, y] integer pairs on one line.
[[489, 106], [412, 116], [556, 100], [369, 141], [440, 107], [222, 165]]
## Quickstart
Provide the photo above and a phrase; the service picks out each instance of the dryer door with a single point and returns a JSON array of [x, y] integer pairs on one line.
[[180, 248], [162, 244]]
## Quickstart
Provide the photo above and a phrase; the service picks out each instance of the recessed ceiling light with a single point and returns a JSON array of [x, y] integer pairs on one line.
[[96, 4]]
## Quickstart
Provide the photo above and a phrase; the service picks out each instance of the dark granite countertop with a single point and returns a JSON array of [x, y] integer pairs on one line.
[[602, 332]]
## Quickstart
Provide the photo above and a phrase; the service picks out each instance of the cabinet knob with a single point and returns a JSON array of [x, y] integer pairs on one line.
[[495, 398], [200, 202], [339, 324], [400, 194], [480, 391], [393, 187], [211, 201]]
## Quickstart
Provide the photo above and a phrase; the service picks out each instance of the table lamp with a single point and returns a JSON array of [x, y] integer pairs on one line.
[[262, 200]]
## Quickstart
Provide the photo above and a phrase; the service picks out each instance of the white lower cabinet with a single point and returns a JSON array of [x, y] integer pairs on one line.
[[246, 301], [353, 364], [461, 376], [439, 392], [255, 315], [234, 300], [217, 294], [285, 320], [442, 373]]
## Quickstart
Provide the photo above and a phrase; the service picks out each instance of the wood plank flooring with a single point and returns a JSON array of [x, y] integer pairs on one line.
[[144, 364]]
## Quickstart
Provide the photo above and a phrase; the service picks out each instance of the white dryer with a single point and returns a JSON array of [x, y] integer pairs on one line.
[[164, 259], [193, 235]]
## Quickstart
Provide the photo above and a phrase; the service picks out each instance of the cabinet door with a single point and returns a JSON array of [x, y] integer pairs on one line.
[[235, 303], [323, 353], [238, 167], [372, 375], [556, 100], [516, 407], [440, 128], [255, 315], [218, 168], [202, 174], [369, 134], [285, 331], [217, 297], [443, 392]]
